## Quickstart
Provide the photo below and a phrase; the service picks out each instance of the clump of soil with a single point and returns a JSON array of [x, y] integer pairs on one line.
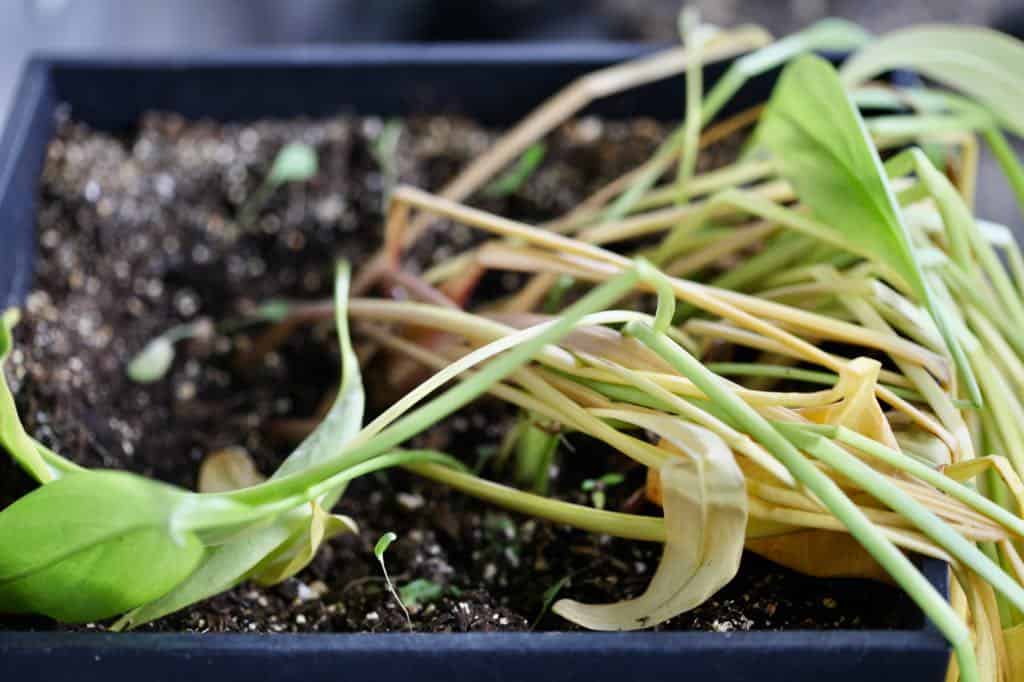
[[138, 232]]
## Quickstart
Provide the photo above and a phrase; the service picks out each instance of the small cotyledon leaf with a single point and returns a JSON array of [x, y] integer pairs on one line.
[[514, 178], [296, 162], [705, 504], [420, 592], [153, 361], [92, 545], [823, 149], [379, 549], [980, 62], [382, 545]]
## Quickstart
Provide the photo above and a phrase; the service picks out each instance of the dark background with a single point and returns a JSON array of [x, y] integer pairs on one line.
[[197, 25]]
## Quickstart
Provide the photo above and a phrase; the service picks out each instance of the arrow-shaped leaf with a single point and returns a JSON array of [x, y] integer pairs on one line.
[[824, 151]]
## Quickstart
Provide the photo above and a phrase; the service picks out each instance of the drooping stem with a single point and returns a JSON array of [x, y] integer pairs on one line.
[[895, 563], [447, 403]]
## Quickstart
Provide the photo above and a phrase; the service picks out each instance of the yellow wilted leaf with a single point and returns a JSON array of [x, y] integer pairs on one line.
[[229, 469], [859, 409], [820, 553], [705, 503], [300, 549], [1014, 639]]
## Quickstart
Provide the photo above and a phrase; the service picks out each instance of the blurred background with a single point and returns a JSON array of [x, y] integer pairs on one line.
[[196, 25]]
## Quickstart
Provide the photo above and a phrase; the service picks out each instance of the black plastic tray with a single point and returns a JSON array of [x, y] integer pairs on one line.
[[492, 84]]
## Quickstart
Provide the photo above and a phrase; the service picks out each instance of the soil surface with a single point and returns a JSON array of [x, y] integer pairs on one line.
[[139, 232]]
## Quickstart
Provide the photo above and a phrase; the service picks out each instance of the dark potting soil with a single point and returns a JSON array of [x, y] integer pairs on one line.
[[138, 232]]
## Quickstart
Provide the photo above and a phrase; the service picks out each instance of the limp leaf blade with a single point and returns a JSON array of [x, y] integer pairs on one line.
[[339, 426], [295, 536], [296, 162], [978, 61], [705, 504], [345, 417], [823, 149]]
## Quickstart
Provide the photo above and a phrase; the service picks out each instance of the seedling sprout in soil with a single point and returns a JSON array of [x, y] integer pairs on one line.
[[378, 551], [812, 353], [295, 162]]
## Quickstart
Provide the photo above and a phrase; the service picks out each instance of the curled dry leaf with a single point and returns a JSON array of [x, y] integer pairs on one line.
[[294, 555], [229, 469], [705, 503], [859, 409], [824, 553]]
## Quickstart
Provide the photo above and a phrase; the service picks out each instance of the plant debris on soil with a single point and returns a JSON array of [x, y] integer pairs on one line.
[[138, 232]]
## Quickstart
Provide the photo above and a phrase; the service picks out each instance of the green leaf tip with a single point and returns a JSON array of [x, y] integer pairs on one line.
[[823, 149], [515, 177], [296, 162], [420, 591], [152, 362], [383, 544], [9, 321]]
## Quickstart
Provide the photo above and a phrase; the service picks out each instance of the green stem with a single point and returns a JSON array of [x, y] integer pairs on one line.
[[631, 526], [1008, 162], [876, 485]]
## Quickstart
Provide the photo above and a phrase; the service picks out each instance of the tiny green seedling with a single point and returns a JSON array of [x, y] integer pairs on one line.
[[385, 153], [597, 487], [295, 162], [515, 177], [378, 551], [548, 598], [153, 361], [420, 592], [156, 358]]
